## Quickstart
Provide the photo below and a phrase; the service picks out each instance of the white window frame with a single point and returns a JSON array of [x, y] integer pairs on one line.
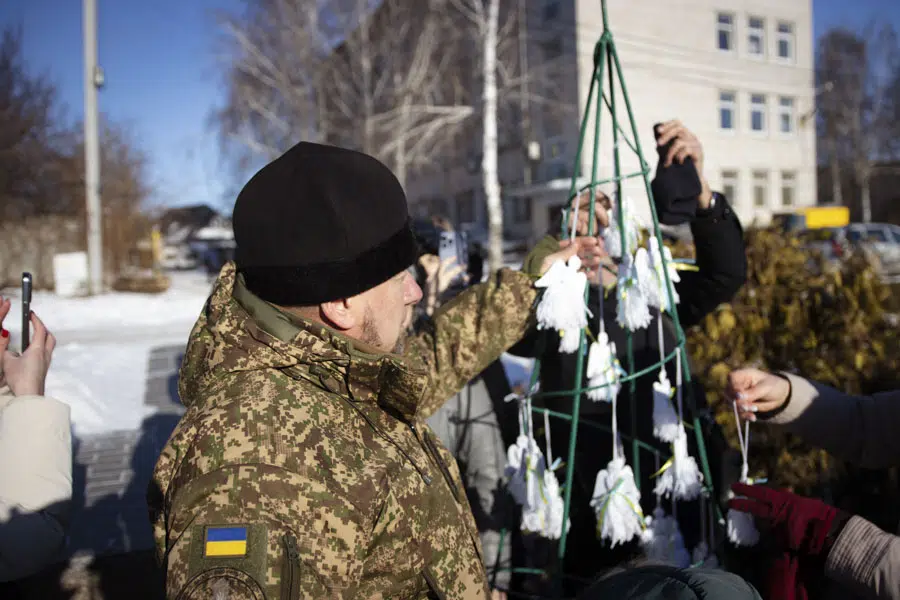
[[729, 28], [767, 195], [765, 115], [733, 106], [752, 31], [789, 181], [731, 178], [790, 112], [789, 37]]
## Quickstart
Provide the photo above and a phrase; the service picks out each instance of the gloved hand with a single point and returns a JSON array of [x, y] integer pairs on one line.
[[801, 525]]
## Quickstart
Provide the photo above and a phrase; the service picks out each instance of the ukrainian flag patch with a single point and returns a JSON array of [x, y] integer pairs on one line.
[[225, 542]]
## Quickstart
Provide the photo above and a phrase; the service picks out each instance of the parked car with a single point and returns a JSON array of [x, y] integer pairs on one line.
[[881, 241]]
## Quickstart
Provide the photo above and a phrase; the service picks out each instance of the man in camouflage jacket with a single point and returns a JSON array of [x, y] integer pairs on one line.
[[303, 467]]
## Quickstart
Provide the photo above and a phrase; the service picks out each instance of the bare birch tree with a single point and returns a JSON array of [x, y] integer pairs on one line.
[[856, 118], [354, 73]]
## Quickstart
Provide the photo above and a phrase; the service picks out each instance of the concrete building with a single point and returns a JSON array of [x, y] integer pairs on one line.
[[739, 73]]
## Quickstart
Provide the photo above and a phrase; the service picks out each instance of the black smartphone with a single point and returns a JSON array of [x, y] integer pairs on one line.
[[26, 310]]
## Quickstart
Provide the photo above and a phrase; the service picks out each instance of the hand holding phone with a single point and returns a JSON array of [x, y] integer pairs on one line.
[[26, 310]]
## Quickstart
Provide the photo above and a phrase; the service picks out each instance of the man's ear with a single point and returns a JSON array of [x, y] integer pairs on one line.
[[339, 314]]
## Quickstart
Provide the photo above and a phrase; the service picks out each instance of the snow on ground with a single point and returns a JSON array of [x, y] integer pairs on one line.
[[104, 342]]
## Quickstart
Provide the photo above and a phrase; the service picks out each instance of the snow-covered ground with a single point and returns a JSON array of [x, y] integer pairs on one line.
[[100, 366]]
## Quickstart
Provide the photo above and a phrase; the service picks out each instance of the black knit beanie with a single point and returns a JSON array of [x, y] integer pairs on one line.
[[321, 223]]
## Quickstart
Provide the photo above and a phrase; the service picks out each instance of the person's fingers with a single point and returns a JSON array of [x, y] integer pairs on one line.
[[672, 131], [674, 150], [39, 336], [683, 154], [50, 347]]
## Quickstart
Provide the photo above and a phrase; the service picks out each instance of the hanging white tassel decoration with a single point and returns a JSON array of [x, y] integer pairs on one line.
[[617, 503], [681, 479], [740, 525], [666, 423], [655, 286], [603, 369], [562, 306], [616, 500], [530, 482], [633, 312], [612, 235], [662, 540]]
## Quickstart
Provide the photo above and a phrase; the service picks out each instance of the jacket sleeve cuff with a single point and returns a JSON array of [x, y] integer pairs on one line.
[[801, 397], [858, 555]]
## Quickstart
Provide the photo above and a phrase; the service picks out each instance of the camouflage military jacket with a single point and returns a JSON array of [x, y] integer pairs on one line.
[[303, 468]]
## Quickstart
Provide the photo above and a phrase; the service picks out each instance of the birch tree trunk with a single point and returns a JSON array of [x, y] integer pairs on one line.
[[489, 160]]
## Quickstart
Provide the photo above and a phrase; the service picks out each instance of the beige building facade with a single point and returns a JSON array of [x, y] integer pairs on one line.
[[739, 73]]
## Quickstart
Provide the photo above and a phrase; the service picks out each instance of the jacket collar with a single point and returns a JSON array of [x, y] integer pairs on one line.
[[334, 361]]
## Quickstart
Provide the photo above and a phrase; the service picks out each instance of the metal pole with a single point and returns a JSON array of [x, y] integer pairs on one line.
[[92, 149]]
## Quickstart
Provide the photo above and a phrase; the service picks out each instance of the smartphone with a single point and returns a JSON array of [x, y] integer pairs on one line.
[[26, 310], [454, 245]]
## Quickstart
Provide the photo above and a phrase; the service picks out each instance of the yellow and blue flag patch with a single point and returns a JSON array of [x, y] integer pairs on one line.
[[226, 542]]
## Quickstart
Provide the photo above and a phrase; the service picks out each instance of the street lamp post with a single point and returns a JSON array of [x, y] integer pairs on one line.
[[93, 80]]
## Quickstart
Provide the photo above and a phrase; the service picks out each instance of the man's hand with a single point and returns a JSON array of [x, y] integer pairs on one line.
[[498, 595], [757, 391], [685, 145], [588, 250]]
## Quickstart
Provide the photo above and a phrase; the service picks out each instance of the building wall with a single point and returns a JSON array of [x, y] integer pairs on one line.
[[673, 69], [681, 76]]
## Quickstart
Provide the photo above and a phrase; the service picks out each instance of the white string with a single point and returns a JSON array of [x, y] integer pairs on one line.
[[678, 382], [547, 439], [615, 428], [744, 441], [662, 349]]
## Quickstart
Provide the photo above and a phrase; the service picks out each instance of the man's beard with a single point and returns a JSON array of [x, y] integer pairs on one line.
[[370, 334]]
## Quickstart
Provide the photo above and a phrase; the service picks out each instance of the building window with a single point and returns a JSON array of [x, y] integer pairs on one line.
[[756, 36], [760, 189], [730, 186], [725, 32], [788, 188], [785, 41], [786, 115], [727, 110], [465, 207], [758, 113]]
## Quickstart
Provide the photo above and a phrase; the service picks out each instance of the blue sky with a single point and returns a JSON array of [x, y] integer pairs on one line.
[[163, 75]]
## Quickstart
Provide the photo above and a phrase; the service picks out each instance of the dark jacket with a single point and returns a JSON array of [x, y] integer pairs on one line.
[[659, 582]]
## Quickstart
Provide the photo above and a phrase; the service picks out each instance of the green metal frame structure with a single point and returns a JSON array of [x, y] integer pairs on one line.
[[607, 72]]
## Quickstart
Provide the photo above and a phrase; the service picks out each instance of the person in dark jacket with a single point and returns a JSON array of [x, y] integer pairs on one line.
[[721, 268]]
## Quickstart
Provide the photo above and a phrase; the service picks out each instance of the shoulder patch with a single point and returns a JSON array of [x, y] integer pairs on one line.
[[238, 548]]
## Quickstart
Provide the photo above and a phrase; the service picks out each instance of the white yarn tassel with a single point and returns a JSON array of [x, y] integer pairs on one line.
[[666, 423], [740, 525], [633, 312], [655, 286], [531, 483], [612, 236], [662, 540], [562, 306], [681, 479], [603, 369], [741, 528], [617, 503]]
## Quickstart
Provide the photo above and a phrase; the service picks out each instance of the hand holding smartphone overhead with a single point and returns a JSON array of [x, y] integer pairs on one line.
[[26, 310]]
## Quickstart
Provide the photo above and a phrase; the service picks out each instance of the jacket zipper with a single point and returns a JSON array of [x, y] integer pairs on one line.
[[290, 570], [432, 451], [433, 585]]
